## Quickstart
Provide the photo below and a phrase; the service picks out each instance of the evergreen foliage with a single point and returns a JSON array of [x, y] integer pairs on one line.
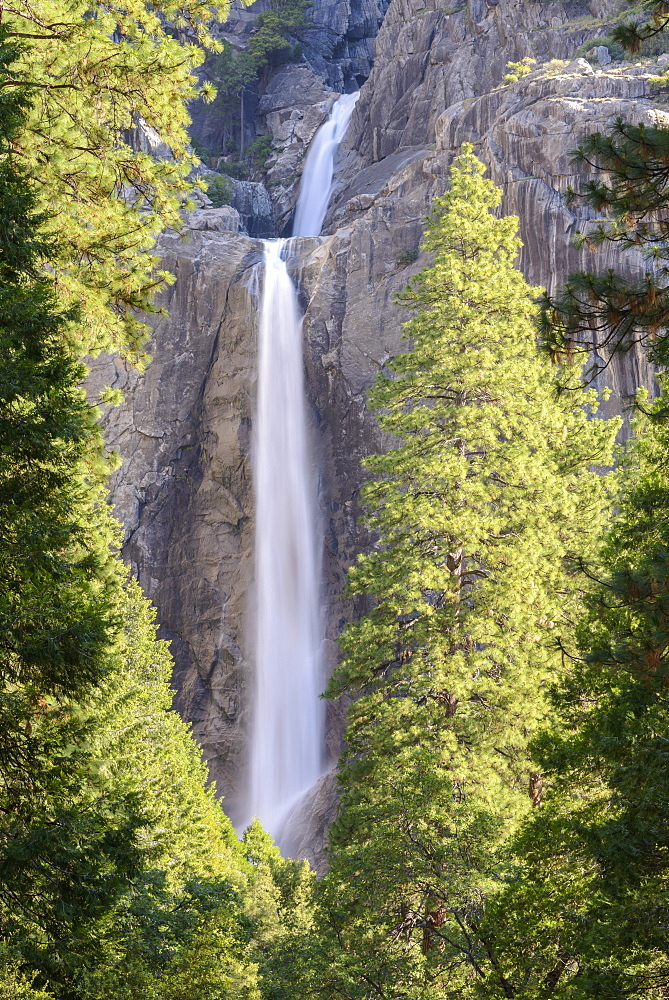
[[120, 876], [93, 71], [270, 43], [57, 575], [588, 916], [480, 510], [607, 313], [651, 18], [280, 906], [604, 313]]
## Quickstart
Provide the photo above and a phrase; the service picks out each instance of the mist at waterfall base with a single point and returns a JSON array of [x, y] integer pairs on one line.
[[287, 738], [316, 185]]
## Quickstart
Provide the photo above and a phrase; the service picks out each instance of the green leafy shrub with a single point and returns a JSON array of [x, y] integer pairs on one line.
[[220, 191], [406, 257], [260, 150]]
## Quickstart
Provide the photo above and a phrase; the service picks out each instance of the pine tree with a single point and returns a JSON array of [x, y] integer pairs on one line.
[[95, 72], [279, 901], [587, 916], [479, 510], [602, 313], [57, 574], [606, 313], [119, 873], [632, 34], [122, 876]]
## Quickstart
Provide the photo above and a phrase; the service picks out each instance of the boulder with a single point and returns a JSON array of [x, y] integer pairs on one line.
[[219, 220]]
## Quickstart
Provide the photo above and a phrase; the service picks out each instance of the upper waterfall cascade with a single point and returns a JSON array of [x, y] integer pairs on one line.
[[288, 719], [318, 173]]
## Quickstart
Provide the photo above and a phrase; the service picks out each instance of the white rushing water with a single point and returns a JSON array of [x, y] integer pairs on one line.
[[316, 184], [287, 740], [288, 717]]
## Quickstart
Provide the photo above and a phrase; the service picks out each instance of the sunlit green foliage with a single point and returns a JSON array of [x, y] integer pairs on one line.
[[57, 575], [517, 70], [93, 72], [279, 902], [120, 874], [588, 916], [479, 511]]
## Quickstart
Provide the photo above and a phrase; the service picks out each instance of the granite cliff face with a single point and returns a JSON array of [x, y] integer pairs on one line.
[[184, 492]]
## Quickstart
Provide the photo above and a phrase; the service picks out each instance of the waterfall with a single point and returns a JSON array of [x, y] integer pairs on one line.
[[288, 718], [316, 184]]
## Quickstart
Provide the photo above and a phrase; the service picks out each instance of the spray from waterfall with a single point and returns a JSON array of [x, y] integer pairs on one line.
[[288, 719], [316, 185]]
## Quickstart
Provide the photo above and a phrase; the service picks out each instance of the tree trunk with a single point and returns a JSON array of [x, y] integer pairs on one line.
[[241, 124]]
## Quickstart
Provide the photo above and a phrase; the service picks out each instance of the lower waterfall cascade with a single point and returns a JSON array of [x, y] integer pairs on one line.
[[288, 717], [288, 725]]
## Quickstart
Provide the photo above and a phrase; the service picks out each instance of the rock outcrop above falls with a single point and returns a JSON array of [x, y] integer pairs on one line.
[[430, 56], [185, 432], [526, 133], [340, 45]]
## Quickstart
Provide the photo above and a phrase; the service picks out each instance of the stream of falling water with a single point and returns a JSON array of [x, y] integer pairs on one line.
[[288, 729], [288, 718], [316, 185]]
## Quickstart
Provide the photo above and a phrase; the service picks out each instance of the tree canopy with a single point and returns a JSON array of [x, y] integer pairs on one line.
[[587, 914], [95, 73]]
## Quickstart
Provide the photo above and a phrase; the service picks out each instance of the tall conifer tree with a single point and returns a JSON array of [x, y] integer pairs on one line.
[[57, 574], [588, 915], [478, 511], [119, 873]]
